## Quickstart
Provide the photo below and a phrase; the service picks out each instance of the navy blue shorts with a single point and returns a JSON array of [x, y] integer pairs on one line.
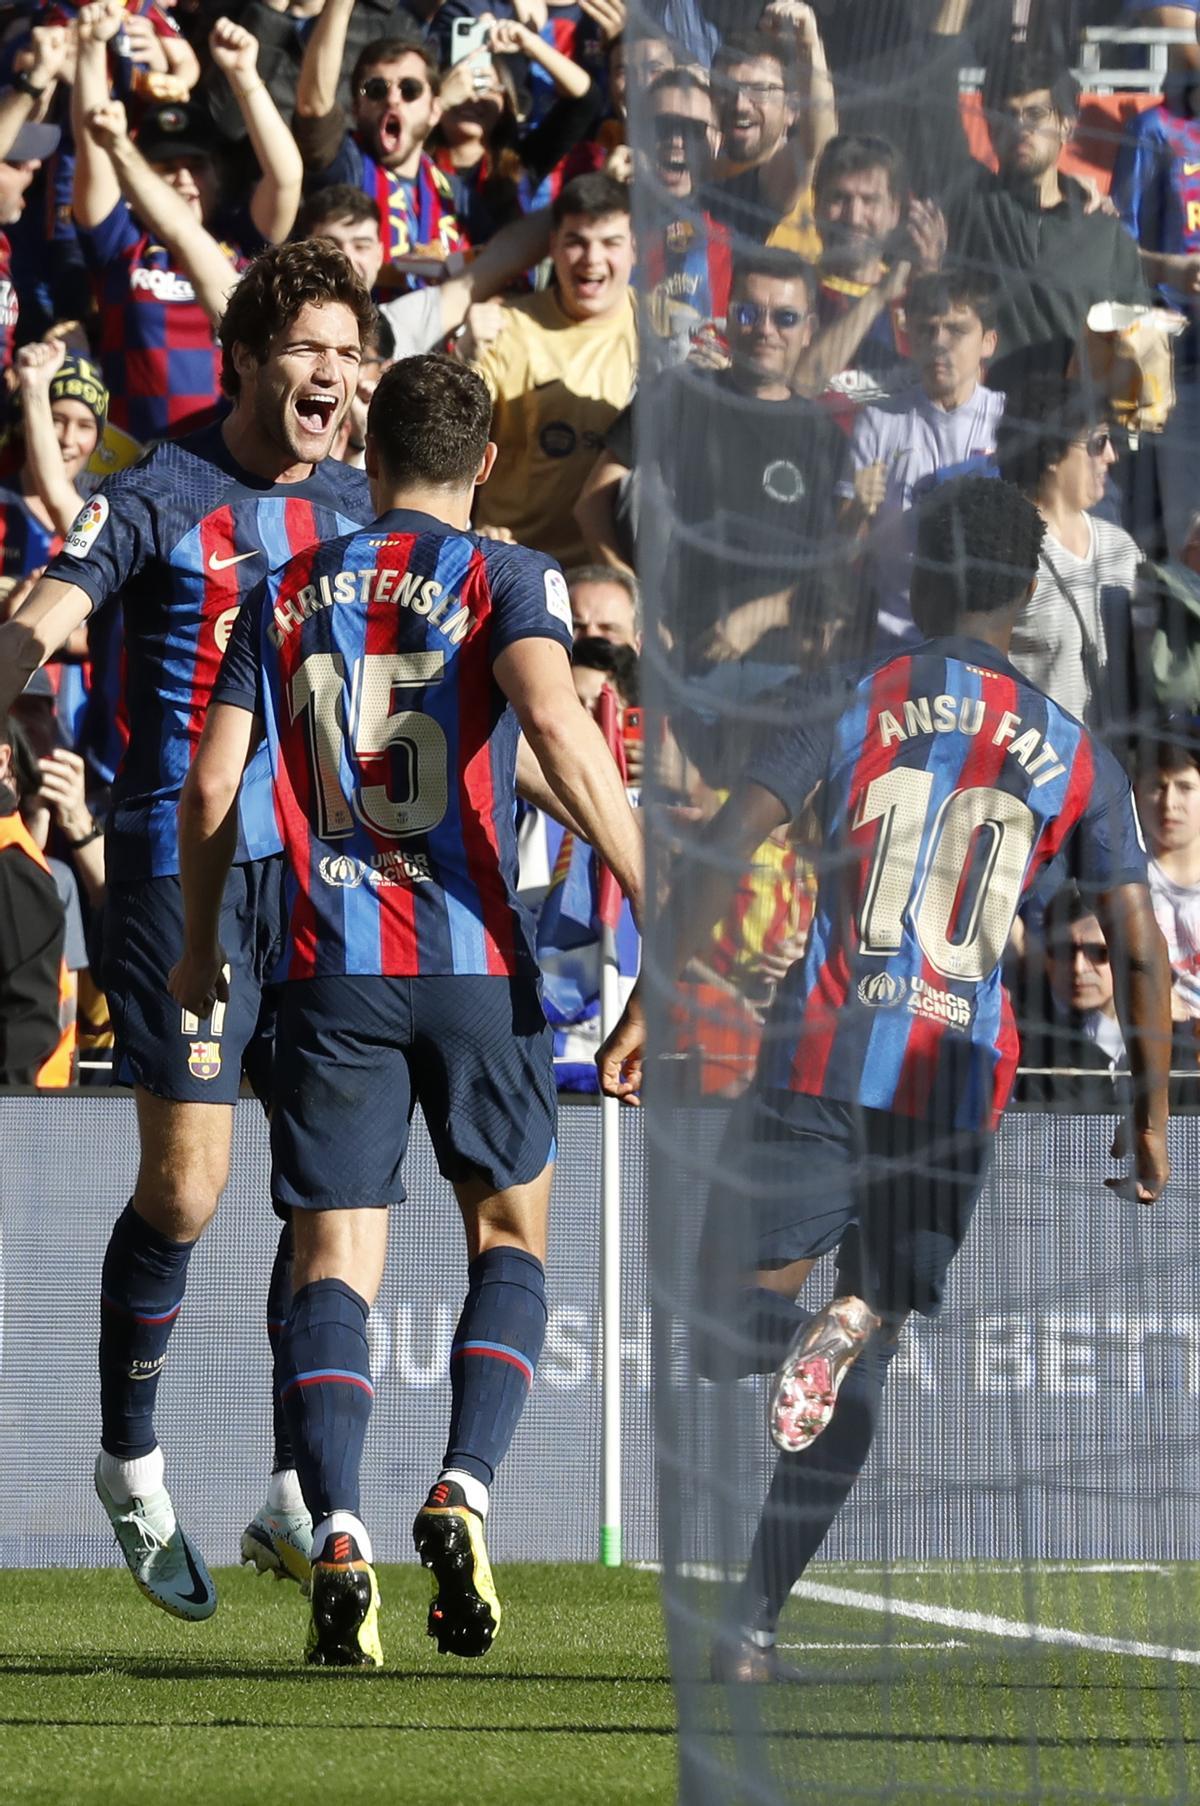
[[892, 1194], [161, 1047], [355, 1055]]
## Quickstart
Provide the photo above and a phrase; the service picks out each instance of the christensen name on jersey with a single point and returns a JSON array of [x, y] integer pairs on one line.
[[404, 589]]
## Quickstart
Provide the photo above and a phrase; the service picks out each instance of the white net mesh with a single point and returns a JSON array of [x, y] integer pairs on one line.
[[869, 295]]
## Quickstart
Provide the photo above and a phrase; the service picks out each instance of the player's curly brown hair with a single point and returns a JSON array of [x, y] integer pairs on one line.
[[277, 285]]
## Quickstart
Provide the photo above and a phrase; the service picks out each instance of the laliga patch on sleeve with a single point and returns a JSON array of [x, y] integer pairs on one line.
[[558, 602], [86, 526]]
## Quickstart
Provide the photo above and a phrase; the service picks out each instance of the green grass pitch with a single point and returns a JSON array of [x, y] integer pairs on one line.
[[102, 1699]]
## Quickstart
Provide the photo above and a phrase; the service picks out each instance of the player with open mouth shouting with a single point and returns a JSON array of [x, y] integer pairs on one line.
[[180, 539]]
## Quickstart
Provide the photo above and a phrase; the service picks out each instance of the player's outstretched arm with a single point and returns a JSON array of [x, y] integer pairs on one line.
[[45, 621], [535, 675], [697, 903], [1143, 996], [207, 844]]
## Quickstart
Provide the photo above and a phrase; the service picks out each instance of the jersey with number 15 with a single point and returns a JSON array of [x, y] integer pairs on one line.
[[948, 783], [392, 747]]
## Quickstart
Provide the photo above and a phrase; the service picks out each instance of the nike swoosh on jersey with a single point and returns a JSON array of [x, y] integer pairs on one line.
[[223, 564]]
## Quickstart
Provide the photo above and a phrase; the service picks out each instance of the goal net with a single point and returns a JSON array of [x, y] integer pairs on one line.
[[890, 256]]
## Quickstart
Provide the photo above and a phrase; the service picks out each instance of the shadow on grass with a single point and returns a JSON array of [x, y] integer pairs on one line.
[[147, 1669]]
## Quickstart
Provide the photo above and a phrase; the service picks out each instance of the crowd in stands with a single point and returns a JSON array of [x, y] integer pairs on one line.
[[745, 284]]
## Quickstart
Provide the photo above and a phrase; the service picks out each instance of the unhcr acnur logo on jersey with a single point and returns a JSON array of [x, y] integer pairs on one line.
[[881, 991]]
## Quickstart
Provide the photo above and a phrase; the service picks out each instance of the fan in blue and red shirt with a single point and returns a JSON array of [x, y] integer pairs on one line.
[[394, 88], [148, 44], [1156, 186], [162, 255], [63, 405], [945, 784], [496, 166], [686, 266], [393, 671], [157, 345], [25, 156]]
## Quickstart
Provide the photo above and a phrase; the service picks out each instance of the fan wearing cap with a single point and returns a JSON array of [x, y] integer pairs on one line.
[[396, 106], [25, 144], [148, 222], [63, 404]]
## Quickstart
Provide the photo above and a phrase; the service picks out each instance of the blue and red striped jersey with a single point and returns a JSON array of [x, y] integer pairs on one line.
[[181, 538], [411, 214], [25, 541], [688, 264], [570, 31], [157, 347], [948, 784], [392, 746]]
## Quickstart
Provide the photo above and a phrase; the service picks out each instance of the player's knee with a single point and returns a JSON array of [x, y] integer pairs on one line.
[[179, 1198]]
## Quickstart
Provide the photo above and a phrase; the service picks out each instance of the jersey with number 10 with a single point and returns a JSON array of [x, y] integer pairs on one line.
[[392, 746], [948, 783]]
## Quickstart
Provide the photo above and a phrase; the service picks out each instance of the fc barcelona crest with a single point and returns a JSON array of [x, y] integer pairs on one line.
[[204, 1059]]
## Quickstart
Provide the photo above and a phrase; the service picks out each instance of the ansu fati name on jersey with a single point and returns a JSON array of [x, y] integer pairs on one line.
[[422, 595], [965, 715]]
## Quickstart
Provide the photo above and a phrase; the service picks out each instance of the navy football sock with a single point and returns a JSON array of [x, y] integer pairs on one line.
[[493, 1357], [325, 1384], [279, 1303], [808, 1490], [141, 1290], [748, 1331]]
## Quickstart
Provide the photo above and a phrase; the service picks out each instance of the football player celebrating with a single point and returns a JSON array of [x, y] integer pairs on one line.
[[946, 783], [393, 671], [179, 539]]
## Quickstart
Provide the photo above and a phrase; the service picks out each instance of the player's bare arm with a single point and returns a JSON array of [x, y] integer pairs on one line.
[[1144, 1006], [726, 847], [45, 621], [533, 787], [207, 844], [535, 675]]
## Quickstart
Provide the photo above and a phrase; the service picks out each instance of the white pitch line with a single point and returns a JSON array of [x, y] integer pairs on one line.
[[990, 1626], [853, 1648], [1033, 1566]]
